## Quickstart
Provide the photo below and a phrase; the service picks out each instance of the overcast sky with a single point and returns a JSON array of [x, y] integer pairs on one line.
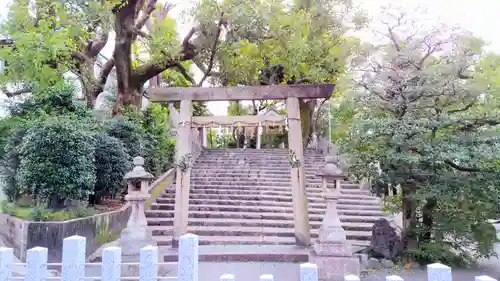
[[479, 16]]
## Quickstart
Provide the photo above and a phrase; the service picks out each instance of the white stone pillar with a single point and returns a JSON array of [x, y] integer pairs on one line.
[[182, 183], [204, 138], [299, 195], [259, 136]]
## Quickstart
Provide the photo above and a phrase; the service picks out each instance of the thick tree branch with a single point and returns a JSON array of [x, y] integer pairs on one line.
[[21, 91], [461, 168], [7, 42], [467, 107], [150, 7], [318, 112], [105, 71], [149, 70], [81, 56], [203, 69], [185, 73], [96, 47], [213, 51]]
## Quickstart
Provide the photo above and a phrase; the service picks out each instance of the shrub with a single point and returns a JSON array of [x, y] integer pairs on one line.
[[128, 132], [11, 160], [112, 162], [57, 161], [56, 100], [158, 147]]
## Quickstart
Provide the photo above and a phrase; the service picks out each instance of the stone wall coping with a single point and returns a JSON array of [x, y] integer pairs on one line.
[[124, 207], [161, 179]]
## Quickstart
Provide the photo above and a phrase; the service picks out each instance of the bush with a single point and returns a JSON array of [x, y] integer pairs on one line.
[[112, 162], [56, 100], [129, 133], [11, 160], [57, 161], [158, 146]]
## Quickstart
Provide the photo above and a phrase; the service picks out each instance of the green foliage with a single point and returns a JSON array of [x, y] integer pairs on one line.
[[112, 162], [430, 123], [11, 161], [58, 99], [216, 141], [270, 42], [130, 133], [62, 150], [152, 130], [46, 34]]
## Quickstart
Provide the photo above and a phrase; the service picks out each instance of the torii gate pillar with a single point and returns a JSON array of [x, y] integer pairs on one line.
[[299, 194]]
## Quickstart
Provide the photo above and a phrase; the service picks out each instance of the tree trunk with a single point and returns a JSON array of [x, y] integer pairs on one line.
[[427, 219], [56, 203], [409, 238], [124, 23], [306, 118]]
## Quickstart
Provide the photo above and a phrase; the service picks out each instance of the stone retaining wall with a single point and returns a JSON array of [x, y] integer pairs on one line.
[[98, 229]]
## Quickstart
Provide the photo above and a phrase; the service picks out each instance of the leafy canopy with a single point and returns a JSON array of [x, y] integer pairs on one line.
[[426, 111]]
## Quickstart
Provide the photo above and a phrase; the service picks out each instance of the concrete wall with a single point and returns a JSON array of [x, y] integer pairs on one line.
[[98, 229]]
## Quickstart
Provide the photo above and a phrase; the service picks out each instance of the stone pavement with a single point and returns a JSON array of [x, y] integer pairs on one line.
[[289, 271], [250, 271]]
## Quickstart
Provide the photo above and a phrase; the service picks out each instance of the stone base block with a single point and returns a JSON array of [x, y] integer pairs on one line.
[[335, 268], [338, 249], [132, 240]]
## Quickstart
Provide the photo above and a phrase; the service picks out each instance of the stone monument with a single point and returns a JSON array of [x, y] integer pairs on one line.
[[332, 253], [136, 235]]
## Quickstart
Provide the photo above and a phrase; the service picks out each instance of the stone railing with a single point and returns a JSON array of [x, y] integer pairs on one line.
[[159, 185]]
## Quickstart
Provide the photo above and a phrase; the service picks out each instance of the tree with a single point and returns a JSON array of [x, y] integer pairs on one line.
[[45, 39], [270, 42], [425, 111], [57, 162]]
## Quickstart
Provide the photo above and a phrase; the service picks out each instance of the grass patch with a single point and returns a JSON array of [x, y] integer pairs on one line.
[[39, 213]]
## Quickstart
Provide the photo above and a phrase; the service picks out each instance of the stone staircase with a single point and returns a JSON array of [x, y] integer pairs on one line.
[[244, 197]]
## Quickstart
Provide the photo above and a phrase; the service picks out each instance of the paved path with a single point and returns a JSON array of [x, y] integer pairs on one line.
[[250, 271]]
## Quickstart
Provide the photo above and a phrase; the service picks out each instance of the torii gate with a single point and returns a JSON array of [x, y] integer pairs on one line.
[[290, 93]]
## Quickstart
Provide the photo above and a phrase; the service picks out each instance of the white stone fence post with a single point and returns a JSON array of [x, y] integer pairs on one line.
[[73, 265]]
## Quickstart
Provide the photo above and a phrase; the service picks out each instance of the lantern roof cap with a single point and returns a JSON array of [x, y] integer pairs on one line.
[[138, 172], [331, 169]]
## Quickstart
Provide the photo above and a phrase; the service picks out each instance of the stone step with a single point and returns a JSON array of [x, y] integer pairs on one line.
[[317, 193], [253, 161], [287, 198], [354, 226], [277, 168], [264, 209], [342, 205], [256, 151], [213, 171], [229, 176], [282, 151], [245, 240], [311, 189], [250, 231], [258, 155], [343, 215], [259, 182]]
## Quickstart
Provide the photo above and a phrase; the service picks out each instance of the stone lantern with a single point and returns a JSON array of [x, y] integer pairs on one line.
[[332, 252], [137, 235]]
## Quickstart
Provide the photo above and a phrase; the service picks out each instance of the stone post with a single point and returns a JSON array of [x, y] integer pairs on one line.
[[182, 183], [204, 137], [259, 136], [299, 195], [332, 252], [137, 234]]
